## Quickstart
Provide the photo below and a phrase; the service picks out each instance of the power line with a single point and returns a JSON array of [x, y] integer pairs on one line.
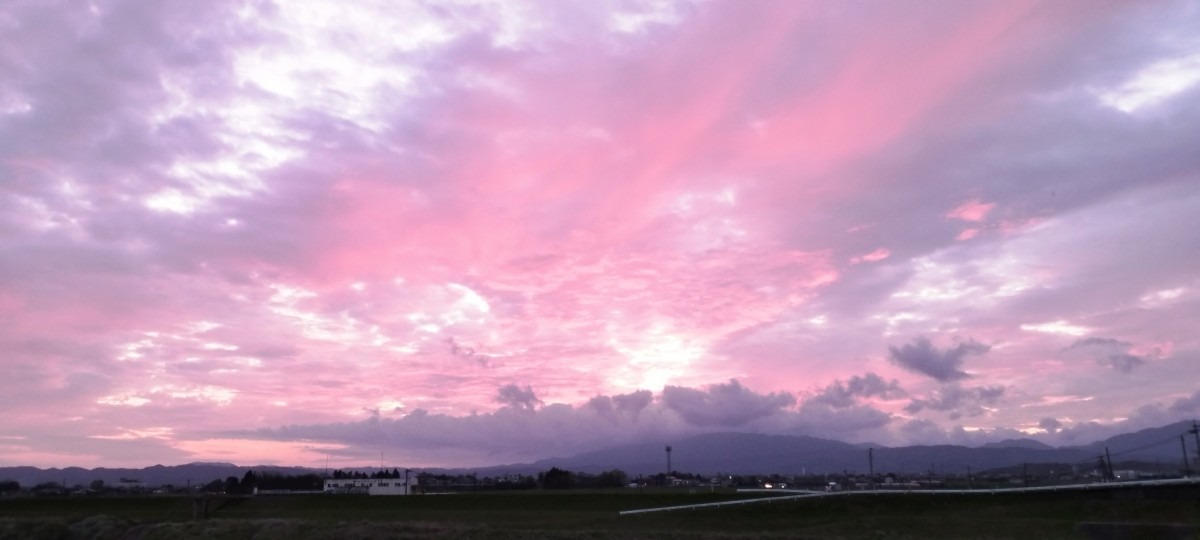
[[1146, 446]]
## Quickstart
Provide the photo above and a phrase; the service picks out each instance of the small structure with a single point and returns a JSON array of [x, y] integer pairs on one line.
[[371, 486]]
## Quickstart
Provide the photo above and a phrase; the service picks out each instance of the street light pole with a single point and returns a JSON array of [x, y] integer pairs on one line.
[[668, 461]]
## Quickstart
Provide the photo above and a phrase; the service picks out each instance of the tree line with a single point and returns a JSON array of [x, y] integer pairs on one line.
[[555, 478], [383, 473]]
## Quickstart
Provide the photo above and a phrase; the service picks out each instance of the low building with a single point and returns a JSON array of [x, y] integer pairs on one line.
[[1127, 475], [371, 486]]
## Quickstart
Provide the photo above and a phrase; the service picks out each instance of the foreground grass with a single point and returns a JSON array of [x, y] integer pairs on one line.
[[586, 515]]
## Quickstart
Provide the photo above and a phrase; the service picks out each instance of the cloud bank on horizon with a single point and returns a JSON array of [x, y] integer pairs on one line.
[[477, 232]]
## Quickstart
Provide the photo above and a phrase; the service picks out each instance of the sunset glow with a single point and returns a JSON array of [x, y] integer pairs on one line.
[[469, 233]]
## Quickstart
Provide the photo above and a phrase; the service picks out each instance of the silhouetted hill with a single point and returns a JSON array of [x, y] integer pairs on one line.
[[747, 453], [730, 453], [157, 475], [1153, 444], [1018, 443], [733, 453]]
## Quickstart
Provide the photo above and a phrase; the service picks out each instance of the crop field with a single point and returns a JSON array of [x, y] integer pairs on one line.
[[594, 515]]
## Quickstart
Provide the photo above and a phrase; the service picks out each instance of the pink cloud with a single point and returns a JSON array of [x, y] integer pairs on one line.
[[874, 256], [973, 211], [220, 224]]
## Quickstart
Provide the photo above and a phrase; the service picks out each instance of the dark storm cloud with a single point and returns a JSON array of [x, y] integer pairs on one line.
[[1109, 352], [921, 356], [957, 400], [840, 395], [1051, 425], [727, 405], [517, 397]]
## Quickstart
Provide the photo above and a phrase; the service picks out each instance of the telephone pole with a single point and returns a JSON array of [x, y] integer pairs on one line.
[[1195, 431], [871, 465], [1187, 471]]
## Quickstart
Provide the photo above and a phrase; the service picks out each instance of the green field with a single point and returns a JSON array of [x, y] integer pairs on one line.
[[577, 515]]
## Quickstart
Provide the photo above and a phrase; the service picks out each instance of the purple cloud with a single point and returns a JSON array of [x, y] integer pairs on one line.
[[921, 356], [517, 397], [1109, 352], [957, 400], [727, 405], [841, 395]]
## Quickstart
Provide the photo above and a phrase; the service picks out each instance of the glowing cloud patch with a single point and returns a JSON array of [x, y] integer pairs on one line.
[[125, 400], [135, 434], [1153, 84], [470, 298], [874, 256], [172, 201], [967, 234], [1162, 297], [973, 211], [654, 358], [1057, 327], [258, 451], [1056, 400], [216, 394], [219, 347]]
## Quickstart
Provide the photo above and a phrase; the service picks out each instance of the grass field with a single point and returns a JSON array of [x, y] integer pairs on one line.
[[592, 515]]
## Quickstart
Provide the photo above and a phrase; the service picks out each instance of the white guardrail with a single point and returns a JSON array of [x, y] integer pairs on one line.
[[805, 494]]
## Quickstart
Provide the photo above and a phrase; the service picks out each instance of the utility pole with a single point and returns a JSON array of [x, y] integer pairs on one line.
[[1187, 471], [871, 465], [1195, 431], [1108, 457], [1025, 473], [968, 477], [668, 461]]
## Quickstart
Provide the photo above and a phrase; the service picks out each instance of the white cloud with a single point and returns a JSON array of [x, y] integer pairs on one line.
[[1057, 327], [1154, 84]]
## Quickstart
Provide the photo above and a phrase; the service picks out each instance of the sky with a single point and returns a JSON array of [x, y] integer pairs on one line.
[[474, 232]]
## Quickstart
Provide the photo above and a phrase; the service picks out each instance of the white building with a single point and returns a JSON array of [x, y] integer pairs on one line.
[[372, 486]]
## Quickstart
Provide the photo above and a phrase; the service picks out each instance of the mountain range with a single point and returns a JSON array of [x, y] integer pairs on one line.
[[745, 453], [730, 453]]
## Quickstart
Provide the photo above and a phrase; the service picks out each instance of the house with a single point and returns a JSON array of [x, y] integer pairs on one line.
[[371, 486]]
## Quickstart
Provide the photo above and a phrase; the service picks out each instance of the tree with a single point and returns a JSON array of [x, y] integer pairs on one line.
[[556, 478], [9, 486], [47, 488], [249, 482], [97, 485], [232, 485], [613, 478]]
